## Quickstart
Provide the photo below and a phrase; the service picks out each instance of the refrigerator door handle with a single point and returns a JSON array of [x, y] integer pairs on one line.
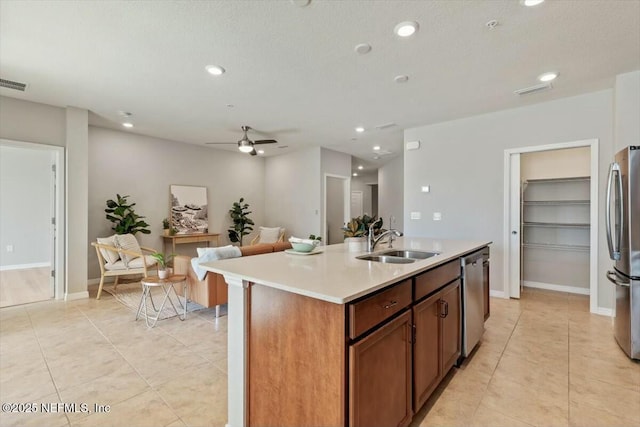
[[613, 254], [613, 278]]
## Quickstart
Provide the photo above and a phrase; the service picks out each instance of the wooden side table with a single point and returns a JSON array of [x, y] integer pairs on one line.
[[179, 239], [167, 285]]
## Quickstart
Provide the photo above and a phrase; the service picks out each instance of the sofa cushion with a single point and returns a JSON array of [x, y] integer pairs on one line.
[[269, 234], [127, 242], [260, 248], [109, 256]]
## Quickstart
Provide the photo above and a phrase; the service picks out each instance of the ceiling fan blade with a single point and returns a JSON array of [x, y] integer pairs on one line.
[[265, 141], [215, 143], [253, 152]]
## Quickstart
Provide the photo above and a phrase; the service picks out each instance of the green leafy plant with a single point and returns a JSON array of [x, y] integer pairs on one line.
[[124, 218], [359, 226], [163, 260], [166, 225], [314, 237], [242, 224]]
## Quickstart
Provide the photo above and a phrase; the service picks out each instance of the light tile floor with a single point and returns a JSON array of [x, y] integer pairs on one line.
[[543, 361]]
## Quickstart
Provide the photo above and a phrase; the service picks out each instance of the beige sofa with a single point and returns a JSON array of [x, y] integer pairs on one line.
[[212, 291]]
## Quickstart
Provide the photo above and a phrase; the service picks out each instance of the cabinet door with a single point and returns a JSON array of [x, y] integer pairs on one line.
[[450, 323], [380, 376], [426, 349]]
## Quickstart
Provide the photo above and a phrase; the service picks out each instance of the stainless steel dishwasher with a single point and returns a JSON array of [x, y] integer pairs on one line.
[[473, 270]]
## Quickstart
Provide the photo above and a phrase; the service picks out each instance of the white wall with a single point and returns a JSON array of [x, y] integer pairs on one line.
[[144, 168], [391, 193], [32, 122], [363, 182], [332, 163], [627, 110], [25, 205], [462, 161], [292, 185]]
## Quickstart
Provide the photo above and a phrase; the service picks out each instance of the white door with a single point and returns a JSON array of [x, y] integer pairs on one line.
[[514, 276], [356, 203]]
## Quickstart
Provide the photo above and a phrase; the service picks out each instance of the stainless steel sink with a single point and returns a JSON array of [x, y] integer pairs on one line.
[[387, 259], [402, 253]]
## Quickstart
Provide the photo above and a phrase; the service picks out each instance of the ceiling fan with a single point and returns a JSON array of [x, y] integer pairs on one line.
[[245, 144]]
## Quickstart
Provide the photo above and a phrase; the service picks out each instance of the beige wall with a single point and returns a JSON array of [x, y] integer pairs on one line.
[[32, 122], [391, 193], [144, 168], [627, 110], [570, 162]]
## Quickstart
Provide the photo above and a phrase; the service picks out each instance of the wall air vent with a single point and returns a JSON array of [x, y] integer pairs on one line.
[[13, 85], [533, 89]]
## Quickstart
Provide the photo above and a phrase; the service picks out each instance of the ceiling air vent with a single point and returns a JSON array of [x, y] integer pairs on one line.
[[533, 89], [386, 126], [13, 85]]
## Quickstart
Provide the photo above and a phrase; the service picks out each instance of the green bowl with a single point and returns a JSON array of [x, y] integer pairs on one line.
[[302, 247]]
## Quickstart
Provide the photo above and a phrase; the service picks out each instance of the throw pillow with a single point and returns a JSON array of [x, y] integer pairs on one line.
[[269, 234], [110, 256], [127, 242]]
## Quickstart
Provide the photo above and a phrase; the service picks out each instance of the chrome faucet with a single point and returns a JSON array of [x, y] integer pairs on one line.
[[373, 241]]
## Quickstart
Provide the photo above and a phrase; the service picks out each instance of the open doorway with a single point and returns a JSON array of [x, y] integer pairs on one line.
[[336, 207], [551, 218], [31, 207]]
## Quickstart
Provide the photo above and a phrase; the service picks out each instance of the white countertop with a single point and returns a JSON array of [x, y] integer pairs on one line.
[[334, 274]]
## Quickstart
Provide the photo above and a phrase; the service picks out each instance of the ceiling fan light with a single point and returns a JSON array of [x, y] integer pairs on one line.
[[245, 146]]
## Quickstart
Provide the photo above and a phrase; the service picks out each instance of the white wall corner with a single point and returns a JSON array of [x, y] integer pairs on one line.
[[497, 294], [602, 311], [76, 295]]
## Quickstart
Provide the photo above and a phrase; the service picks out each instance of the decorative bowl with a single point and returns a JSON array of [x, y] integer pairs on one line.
[[303, 247]]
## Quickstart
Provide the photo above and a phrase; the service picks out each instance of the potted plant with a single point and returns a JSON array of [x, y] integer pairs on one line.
[[357, 230], [124, 218], [163, 263], [239, 214], [166, 226]]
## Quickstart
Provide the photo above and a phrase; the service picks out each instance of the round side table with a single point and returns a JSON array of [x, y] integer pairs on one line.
[[167, 285]]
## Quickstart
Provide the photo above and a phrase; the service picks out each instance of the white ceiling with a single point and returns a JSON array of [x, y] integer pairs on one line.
[[292, 72]]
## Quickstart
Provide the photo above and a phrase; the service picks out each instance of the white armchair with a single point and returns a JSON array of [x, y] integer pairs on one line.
[[121, 255]]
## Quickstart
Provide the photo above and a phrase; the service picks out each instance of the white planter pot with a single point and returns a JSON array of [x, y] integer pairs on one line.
[[355, 244], [163, 274]]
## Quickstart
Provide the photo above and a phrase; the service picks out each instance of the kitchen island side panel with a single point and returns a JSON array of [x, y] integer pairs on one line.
[[296, 360]]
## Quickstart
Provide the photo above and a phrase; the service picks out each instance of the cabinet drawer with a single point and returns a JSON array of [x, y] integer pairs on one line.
[[365, 314], [434, 279]]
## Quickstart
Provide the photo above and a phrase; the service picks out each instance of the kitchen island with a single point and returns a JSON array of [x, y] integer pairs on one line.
[[329, 339]]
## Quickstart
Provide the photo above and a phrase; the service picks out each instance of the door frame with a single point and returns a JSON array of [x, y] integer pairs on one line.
[[346, 195], [593, 144], [58, 234]]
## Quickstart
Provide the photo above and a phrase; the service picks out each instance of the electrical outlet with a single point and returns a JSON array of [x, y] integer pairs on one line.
[[416, 215], [9, 248], [437, 216]]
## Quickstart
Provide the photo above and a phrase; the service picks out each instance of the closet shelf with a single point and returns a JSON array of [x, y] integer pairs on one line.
[[555, 180], [555, 202], [556, 224], [557, 246]]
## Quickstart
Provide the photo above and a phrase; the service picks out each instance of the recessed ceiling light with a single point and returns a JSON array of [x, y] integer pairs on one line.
[[406, 28], [260, 151], [360, 167], [362, 48], [531, 3], [216, 70], [127, 125], [401, 78], [359, 129], [355, 174], [547, 77], [376, 147]]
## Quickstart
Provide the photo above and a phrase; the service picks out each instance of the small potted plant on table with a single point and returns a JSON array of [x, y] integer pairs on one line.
[[163, 263]]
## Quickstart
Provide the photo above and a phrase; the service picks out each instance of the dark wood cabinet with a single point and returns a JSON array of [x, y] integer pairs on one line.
[[380, 376], [436, 347]]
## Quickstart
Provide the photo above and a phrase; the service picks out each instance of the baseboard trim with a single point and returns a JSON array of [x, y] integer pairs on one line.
[[496, 294], [559, 288], [76, 295], [602, 311], [25, 266]]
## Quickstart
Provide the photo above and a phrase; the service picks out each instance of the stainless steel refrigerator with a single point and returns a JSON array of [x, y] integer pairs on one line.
[[623, 237]]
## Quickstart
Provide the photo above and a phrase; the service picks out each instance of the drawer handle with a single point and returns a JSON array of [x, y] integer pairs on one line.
[[444, 309], [391, 304]]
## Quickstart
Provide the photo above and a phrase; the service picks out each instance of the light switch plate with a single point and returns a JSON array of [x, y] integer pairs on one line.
[[437, 216], [416, 215]]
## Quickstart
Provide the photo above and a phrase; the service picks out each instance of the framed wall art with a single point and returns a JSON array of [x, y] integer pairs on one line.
[[189, 209]]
